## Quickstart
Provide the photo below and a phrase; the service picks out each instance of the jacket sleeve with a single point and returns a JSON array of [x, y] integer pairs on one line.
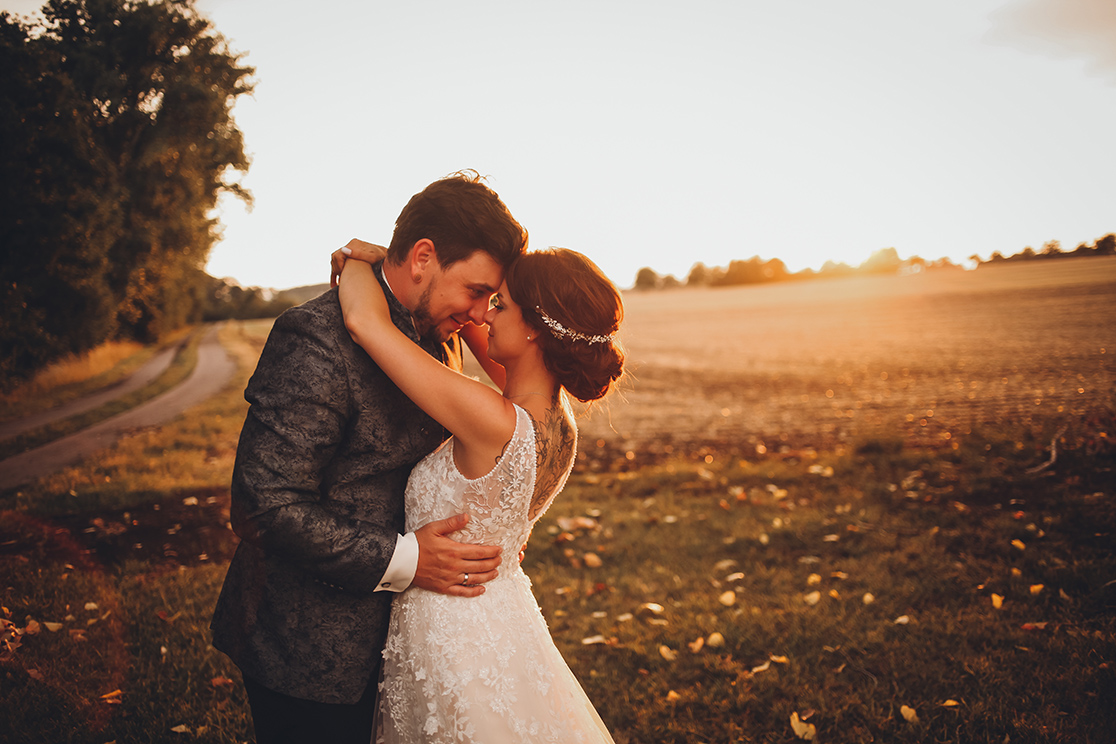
[[300, 407]]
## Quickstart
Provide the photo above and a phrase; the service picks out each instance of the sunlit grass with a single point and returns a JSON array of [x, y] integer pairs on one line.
[[195, 450], [76, 376], [930, 533]]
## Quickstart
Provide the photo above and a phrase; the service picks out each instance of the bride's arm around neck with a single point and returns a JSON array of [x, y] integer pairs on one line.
[[480, 418]]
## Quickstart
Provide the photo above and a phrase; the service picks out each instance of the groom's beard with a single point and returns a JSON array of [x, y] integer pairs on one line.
[[424, 321]]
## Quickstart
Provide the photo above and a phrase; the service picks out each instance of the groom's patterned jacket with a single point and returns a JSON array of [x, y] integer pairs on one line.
[[317, 500]]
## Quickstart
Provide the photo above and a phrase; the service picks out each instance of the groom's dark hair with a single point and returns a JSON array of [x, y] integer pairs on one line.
[[460, 215]]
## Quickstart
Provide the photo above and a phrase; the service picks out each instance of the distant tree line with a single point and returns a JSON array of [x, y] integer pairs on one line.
[[756, 270], [117, 140], [1105, 246]]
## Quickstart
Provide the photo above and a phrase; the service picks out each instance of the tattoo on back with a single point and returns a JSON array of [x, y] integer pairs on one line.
[[555, 447]]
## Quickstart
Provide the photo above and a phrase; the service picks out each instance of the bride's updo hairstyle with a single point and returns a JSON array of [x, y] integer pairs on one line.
[[576, 312]]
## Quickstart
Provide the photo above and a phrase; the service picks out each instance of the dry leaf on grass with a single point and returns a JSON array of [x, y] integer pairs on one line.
[[52, 627], [728, 599], [1036, 589], [909, 713], [951, 703], [1018, 545], [673, 697], [803, 730], [868, 598], [697, 644], [181, 729], [592, 560], [668, 653], [715, 640], [812, 598], [997, 601]]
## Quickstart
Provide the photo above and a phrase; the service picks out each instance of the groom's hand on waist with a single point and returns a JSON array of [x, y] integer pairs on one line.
[[450, 567]]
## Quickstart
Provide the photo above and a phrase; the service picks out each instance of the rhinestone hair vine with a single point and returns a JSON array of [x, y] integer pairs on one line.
[[560, 331]]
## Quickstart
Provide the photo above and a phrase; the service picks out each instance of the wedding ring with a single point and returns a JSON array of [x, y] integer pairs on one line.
[[466, 581]]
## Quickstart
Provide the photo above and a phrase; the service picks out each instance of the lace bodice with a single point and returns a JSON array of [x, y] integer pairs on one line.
[[497, 502], [483, 670]]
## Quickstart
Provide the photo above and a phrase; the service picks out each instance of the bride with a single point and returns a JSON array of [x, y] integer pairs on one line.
[[485, 669]]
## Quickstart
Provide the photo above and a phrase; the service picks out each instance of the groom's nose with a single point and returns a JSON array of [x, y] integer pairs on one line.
[[478, 310]]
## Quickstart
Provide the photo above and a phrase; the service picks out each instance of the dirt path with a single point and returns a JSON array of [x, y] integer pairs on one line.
[[145, 374], [213, 370]]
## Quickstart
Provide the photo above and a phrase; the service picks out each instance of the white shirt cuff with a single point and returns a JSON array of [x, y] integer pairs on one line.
[[404, 561]]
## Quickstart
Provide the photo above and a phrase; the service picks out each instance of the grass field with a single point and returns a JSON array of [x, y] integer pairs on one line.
[[765, 525]]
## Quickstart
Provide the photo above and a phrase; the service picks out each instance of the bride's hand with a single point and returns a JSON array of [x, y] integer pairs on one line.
[[362, 300], [360, 250]]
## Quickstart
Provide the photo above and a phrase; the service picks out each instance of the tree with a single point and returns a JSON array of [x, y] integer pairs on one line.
[[646, 278], [883, 261], [698, 276], [1106, 246], [117, 141], [1052, 248]]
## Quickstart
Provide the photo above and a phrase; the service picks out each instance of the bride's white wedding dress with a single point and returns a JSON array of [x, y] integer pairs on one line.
[[480, 669]]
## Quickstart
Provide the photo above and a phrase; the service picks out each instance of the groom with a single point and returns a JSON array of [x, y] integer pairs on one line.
[[323, 459]]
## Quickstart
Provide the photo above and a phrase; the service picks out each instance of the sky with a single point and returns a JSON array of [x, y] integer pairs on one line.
[[660, 134]]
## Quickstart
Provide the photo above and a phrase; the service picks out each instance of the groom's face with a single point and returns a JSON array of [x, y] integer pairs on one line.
[[457, 294]]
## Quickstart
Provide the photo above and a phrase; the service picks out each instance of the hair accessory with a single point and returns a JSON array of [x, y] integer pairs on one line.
[[560, 331]]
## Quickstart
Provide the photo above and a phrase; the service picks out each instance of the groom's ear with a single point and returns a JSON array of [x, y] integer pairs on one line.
[[423, 261]]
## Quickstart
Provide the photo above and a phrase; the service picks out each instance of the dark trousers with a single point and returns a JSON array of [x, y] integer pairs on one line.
[[281, 719]]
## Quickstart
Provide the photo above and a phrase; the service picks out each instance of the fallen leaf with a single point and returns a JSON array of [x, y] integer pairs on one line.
[[715, 640], [1033, 626], [802, 730], [831, 538], [181, 729], [52, 627], [91, 607], [673, 697], [728, 599], [834, 593], [762, 667], [222, 683], [651, 607], [951, 703], [592, 560], [997, 601], [1016, 573], [812, 598], [839, 575], [902, 620], [780, 659], [696, 644], [32, 628], [35, 674], [668, 653], [909, 713], [724, 565], [813, 579], [593, 640], [868, 598], [1018, 544], [1036, 589], [190, 501]]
